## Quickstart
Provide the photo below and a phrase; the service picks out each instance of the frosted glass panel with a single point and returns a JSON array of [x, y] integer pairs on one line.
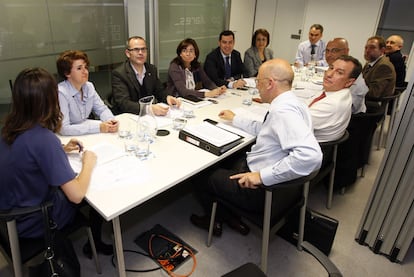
[[34, 32], [202, 21]]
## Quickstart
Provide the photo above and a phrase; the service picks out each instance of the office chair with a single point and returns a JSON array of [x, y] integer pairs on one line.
[[18, 251], [329, 150], [353, 154], [385, 102], [281, 200]]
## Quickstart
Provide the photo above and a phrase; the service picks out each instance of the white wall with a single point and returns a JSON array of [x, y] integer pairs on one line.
[[241, 23], [355, 20]]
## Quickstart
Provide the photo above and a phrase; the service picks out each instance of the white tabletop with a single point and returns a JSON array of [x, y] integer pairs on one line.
[[171, 161]]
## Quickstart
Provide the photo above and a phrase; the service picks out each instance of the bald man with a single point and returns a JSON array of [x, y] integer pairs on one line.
[[336, 48], [285, 149], [393, 47]]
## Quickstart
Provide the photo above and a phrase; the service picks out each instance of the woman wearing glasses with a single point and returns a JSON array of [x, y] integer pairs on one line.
[[187, 77], [258, 53], [78, 98]]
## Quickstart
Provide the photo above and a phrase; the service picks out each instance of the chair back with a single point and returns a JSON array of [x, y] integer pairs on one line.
[[19, 250]]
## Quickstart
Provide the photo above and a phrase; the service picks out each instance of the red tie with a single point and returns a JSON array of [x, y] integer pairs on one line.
[[323, 95]]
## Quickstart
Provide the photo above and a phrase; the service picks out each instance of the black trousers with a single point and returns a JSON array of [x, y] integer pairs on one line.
[[216, 182]]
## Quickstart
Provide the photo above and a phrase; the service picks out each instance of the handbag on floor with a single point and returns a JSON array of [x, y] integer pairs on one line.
[[60, 257], [320, 230]]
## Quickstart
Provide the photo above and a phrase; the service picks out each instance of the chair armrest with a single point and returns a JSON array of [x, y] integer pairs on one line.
[[293, 183], [10, 214]]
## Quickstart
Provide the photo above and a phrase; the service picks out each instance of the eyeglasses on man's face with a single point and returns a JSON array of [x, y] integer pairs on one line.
[[333, 50], [143, 49], [257, 80]]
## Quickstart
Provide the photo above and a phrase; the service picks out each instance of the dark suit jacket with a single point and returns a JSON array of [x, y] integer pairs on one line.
[[126, 90], [397, 60], [214, 66], [380, 78]]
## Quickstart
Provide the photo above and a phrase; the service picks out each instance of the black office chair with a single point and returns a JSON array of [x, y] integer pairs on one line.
[[18, 251], [281, 200], [385, 102], [354, 153], [329, 150]]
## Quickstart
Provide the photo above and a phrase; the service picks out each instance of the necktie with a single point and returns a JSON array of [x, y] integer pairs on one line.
[[323, 95], [367, 68], [313, 49], [265, 117], [227, 67]]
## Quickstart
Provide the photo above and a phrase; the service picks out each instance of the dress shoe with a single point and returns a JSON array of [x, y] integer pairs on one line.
[[204, 223], [103, 248], [239, 226]]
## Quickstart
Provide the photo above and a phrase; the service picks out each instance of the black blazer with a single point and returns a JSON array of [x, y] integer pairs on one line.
[[214, 66], [126, 90]]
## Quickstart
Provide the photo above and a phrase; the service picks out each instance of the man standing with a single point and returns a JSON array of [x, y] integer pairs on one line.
[[336, 48], [313, 49], [393, 46], [285, 149], [224, 65], [331, 111], [136, 78], [378, 72]]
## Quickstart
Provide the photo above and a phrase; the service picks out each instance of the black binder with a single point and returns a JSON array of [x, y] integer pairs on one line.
[[210, 147]]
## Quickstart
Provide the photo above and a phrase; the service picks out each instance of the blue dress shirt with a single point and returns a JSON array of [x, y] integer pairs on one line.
[[76, 110]]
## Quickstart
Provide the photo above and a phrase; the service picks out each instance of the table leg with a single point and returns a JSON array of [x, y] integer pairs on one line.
[[118, 246]]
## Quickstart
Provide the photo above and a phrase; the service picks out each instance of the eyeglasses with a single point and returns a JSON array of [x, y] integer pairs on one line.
[[333, 50], [188, 51], [143, 49], [276, 80], [258, 79]]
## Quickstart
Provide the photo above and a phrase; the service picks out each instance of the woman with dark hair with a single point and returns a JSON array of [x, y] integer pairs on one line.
[[186, 76], [78, 98], [258, 53], [33, 163]]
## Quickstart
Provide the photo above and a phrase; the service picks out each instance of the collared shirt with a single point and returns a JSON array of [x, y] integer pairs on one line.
[[331, 115], [140, 77], [303, 55], [230, 84], [76, 110], [358, 91], [285, 146]]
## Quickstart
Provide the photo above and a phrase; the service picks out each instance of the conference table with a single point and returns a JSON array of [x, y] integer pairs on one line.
[[122, 182]]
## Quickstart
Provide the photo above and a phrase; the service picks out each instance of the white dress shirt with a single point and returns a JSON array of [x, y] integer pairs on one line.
[[331, 115], [285, 146], [358, 91]]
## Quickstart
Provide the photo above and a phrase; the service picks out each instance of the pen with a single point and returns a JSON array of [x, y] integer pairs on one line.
[[80, 147]]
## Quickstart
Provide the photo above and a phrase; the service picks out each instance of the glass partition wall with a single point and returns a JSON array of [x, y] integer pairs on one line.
[[201, 20], [34, 32]]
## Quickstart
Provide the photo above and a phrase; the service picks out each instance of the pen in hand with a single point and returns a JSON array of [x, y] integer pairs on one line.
[[80, 147]]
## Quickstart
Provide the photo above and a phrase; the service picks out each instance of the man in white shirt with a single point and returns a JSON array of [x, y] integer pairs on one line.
[[331, 111], [285, 149], [336, 48], [313, 49]]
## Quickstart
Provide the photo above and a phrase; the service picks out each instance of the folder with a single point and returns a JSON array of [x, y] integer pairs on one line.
[[210, 137]]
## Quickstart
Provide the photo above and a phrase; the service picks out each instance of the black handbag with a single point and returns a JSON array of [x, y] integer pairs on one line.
[[320, 230], [60, 256]]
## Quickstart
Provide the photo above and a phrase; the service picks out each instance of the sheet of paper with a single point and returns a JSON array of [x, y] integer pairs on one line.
[[250, 82], [254, 112], [212, 134]]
